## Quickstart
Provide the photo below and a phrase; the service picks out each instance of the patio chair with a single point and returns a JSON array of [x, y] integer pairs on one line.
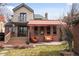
[[34, 39], [48, 38]]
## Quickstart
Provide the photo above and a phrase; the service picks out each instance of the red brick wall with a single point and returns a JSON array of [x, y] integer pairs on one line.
[[76, 38]]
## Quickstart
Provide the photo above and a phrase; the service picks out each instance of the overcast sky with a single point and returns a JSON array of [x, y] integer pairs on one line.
[[54, 10]]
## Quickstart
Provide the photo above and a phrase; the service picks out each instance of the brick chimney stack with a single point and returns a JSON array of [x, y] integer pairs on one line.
[[46, 15]]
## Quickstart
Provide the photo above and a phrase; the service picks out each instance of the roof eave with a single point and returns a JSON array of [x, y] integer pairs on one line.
[[23, 5]]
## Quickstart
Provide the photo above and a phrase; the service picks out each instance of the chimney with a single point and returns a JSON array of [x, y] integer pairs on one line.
[[46, 15]]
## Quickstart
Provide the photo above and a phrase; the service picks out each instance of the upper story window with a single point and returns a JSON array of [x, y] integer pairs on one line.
[[23, 17]]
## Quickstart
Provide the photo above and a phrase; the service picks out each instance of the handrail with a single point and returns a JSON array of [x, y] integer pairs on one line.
[[7, 37]]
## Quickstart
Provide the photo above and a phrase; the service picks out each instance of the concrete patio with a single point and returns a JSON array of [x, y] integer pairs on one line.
[[49, 43]]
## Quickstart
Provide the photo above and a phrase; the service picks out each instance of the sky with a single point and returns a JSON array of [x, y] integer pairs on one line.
[[54, 10]]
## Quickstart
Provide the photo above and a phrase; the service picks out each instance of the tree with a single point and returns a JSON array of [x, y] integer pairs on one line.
[[68, 37], [71, 16], [5, 11]]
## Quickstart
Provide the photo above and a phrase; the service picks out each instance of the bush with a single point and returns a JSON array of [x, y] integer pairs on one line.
[[27, 42]]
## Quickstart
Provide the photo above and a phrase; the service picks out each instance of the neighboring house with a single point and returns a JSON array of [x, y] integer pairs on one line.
[[38, 17], [2, 28], [2, 24], [25, 23]]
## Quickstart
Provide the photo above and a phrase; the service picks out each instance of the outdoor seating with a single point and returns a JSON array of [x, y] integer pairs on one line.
[[48, 37], [34, 39]]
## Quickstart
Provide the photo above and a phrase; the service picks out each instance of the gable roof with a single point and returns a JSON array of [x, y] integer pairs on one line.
[[23, 5]]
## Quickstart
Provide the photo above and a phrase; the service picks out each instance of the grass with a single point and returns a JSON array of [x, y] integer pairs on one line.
[[43, 50]]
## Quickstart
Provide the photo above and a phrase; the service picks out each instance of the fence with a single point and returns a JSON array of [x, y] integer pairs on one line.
[[7, 37]]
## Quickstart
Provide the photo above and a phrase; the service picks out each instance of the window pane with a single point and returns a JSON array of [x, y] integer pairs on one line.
[[36, 30], [23, 17], [41, 30], [48, 30]]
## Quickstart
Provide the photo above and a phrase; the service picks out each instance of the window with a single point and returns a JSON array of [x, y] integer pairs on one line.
[[23, 17], [54, 30], [48, 30], [36, 30], [41, 30], [22, 31]]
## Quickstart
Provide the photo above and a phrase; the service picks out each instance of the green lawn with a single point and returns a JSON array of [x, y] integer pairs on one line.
[[44, 50]]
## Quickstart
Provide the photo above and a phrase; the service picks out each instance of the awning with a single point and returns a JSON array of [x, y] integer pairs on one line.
[[45, 22], [20, 23]]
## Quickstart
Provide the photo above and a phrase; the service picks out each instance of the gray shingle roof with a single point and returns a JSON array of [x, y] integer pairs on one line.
[[38, 16], [23, 5]]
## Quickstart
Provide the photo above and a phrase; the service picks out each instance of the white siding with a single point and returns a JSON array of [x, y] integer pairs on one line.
[[2, 27]]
